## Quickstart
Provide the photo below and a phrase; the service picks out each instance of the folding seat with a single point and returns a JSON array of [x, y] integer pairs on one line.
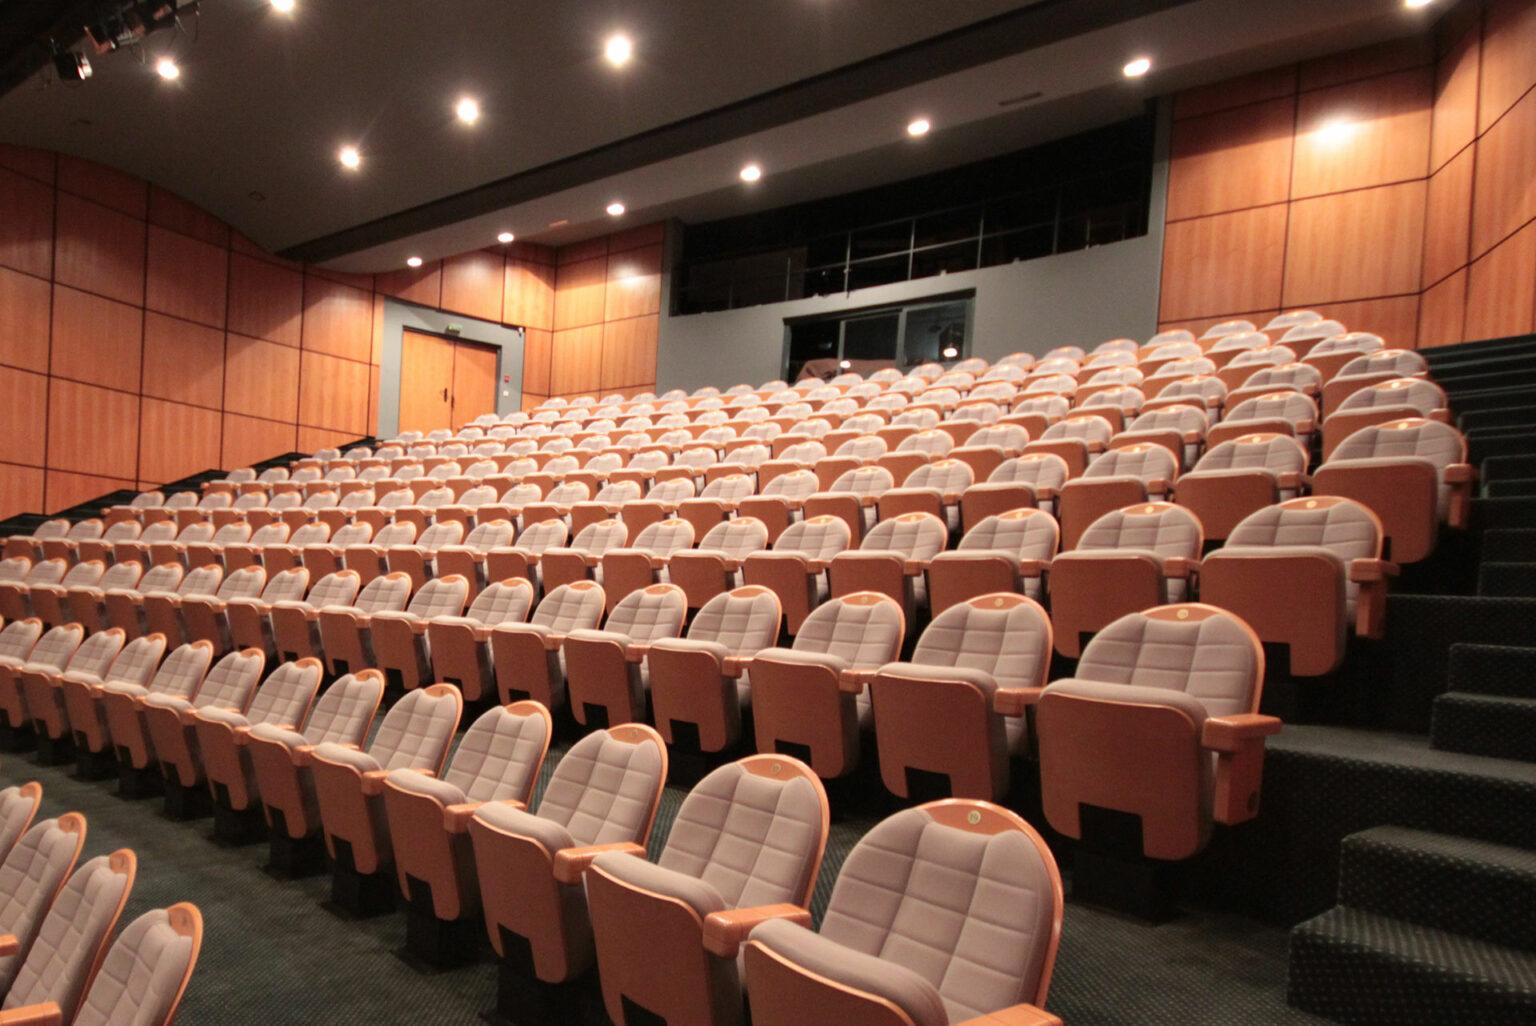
[[1226, 328], [102, 548], [1063, 364], [1154, 360], [181, 675], [522, 559], [711, 870], [124, 606], [419, 560], [717, 503], [1283, 322], [1371, 405], [1240, 476], [399, 639], [458, 645], [1007, 372], [31, 877], [557, 502], [1177, 370], [288, 553], [15, 596], [853, 497], [468, 559], [1228, 347], [1004, 552], [1106, 360], [607, 674], [1128, 559], [1302, 338], [716, 565], [1298, 377], [1331, 355], [1078, 439], [1244, 364], [527, 657], [1205, 391], [796, 567], [1284, 413], [644, 562], [345, 631], [1180, 429], [42, 691], [278, 507], [250, 551], [1121, 477], [1159, 722], [857, 451], [606, 504], [582, 560], [176, 550], [170, 723], [162, 609], [84, 698], [780, 501], [204, 616], [18, 808], [892, 560], [371, 558], [810, 700], [349, 789], [1116, 405], [986, 450], [31, 545], [49, 653], [49, 602], [67, 547], [465, 507], [1371, 369]]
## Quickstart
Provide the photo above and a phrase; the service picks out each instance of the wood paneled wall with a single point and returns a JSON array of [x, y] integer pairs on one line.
[[1390, 187]]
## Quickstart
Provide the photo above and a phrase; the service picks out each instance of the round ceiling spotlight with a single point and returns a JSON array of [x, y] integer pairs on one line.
[[751, 173], [616, 209], [283, 6], [413, 261], [350, 158], [505, 237], [168, 69], [467, 110], [618, 49], [918, 127], [844, 364], [1137, 67], [950, 352]]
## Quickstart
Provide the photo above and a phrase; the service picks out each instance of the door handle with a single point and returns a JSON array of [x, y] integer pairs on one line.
[[445, 395]]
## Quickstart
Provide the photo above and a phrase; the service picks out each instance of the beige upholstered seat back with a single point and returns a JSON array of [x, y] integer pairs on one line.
[[203, 581], [1160, 528], [864, 447], [499, 754], [1411, 437], [1005, 636], [335, 589], [30, 876], [1303, 377], [603, 790], [126, 574], [70, 936], [863, 629], [275, 533], [402, 532], [142, 977], [343, 710], [1022, 533], [54, 648], [502, 602], [1288, 406], [447, 532], [1036, 469], [84, 575], [574, 606], [650, 613], [18, 639], [745, 621], [1008, 437], [1214, 659], [47, 571], [286, 695], [674, 489], [730, 488], [1278, 454], [1349, 342], [546, 534], [797, 484], [490, 534], [246, 582], [665, 537], [1052, 407], [1204, 389], [138, 660], [1386, 361], [441, 596], [736, 538], [182, 672], [815, 538], [600, 537], [918, 536], [1238, 341], [619, 491], [947, 476], [166, 577], [319, 533], [933, 442], [417, 729], [1083, 428], [1424, 397], [232, 680], [96, 653], [286, 586], [1125, 397], [1179, 417], [232, 534], [387, 592], [864, 481], [1145, 462]]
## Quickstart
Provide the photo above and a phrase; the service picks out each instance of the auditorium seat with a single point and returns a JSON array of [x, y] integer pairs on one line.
[[418, 559], [717, 502], [296, 549], [247, 617], [1283, 322], [1026, 481], [1301, 338], [521, 559], [1128, 559], [398, 638], [31, 545], [50, 653], [643, 562], [892, 560], [660, 502], [1373, 404], [1284, 412], [852, 496], [1121, 477], [1077, 438], [1004, 552], [1331, 354], [345, 637], [223, 732], [162, 609], [933, 488], [1206, 391], [31, 877], [810, 699], [1180, 428], [296, 622], [654, 923], [715, 566], [67, 546], [48, 601], [145, 973], [371, 558], [250, 552], [18, 807], [605, 505], [180, 676], [205, 616], [1160, 722], [42, 689], [468, 559], [459, 645], [170, 720], [85, 699], [1371, 369], [527, 657], [795, 569], [1229, 346], [1296, 377], [15, 596], [606, 672], [1240, 476]]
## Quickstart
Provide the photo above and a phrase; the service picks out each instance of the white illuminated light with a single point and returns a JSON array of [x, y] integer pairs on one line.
[[167, 69], [616, 209], [751, 173], [1415, 4], [283, 6], [844, 364], [918, 126], [950, 352], [618, 49], [1335, 131], [413, 261], [504, 238], [350, 158], [467, 109], [1138, 67]]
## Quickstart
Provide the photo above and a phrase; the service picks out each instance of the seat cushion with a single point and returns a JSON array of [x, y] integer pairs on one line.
[[221, 715], [902, 987], [420, 783], [512, 820], [648, 876], [360, 761]]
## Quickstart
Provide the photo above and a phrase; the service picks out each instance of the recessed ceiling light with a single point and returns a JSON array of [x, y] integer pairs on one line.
[[917, 127], [505, 237], [1138, 67], [283, 6], [350, 158], [1414, 4], [950, 352], [467, 109], [618, 49], [167, 69], [616, 208], [413, 261], [751, 173], [844, 364]]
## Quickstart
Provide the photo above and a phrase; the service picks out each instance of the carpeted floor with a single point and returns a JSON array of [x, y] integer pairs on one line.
[[274, 957]]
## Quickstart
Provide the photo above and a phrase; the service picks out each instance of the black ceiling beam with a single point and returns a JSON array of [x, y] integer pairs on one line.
[[1030, 27]]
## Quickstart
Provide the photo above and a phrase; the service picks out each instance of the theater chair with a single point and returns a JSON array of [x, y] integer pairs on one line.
[[1078, 439], [643, 562], [606, 670], [892, 561], [715, 566], [1305, 574], [180, 676], [349, 791], [1245, 364], [418, 560], [1128, 559], [1021, 482], [162, 609], [1371, 369], [101, 546], [459, 645], [970, 871], [811, 699], [66, 547], [248, 619], [399, 638], [717, 503], [42, 691], [281, 764], [137, 548], [655, 925], [1240, 476], [1160, 725], [170, 722], [345, 631], [522, 559], [211, 550], [174, 550], [1121, 477], [1181, 429], [469, 559], [428, 817], [13, 569], [1331, 355], [15, 596], [1374, 404], [1205, 391], [853, 497], [371, 559], [796, 568], [295, 622], [223, 734], [700, 683], [1005, 552], [237, 556], [207, 616], [35, 872], [528, 657], [1412, 473], [528, 866], [779, 501], [30, 546], [1229, 347], [295, 551], [933, 488], [1283, 413], [18, 807], [582, 561], [85, 700], [49, 654], [48, 601]]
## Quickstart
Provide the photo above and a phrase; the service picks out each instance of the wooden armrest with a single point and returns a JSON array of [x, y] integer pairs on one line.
[[1460, 473], [456, 817], [1033, 567], [1179, 568], [45, 1014], [552, 641], [735, 666], [1230, 733], [725, 931], [1015, 701], [636, 650], [571, 863], [1363, 571], [853, 681], [373, 781], [9, 945], [913, 567], [1016, 1015], [417, 626]]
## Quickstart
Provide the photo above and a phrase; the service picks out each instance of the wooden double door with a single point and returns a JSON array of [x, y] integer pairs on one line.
[[444, 383]]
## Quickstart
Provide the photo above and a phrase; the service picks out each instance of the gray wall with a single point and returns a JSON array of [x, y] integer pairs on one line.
[[398, 316], [1031, 305]]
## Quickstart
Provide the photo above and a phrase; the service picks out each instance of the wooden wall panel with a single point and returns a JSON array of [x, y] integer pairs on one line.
[[1213, 265], [168, 210], [92, 430], [1446, 228], [176, 441], [1199, 324], [337, 319], [1394, 318], [24, 302], [576, 359], [261, 379], [105, 185], [312, 439], [248, 440], [579, 293], [653, 234], [183, 362], [26, 224], [1442, 312], [1366, 62], [1505, 187], [21, 490], [1509, 40], [68, 489], [472, 284], [34, 163], [99, 250], [1236, 92], [536, 358], [1366, 133], [422, 285], [576, 252], [1355, 245], [629, 352], [265, 301], [23, 416], [1454, 118], [96, 340], [1232, 159], [634, 284], [528, 297], [1501, 288], [333, 393], [186, 278]]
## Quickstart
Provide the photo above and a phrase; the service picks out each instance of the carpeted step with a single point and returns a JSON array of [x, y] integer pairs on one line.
[[1500, 726], [1506, 670], [1510, 545], [1470, 400], [1372, 970], [1510, 488], [1420, 632], [1495, 514], [1507, 579], [1501, 468], [1500, 417], [1480, 890], [1514, 442]]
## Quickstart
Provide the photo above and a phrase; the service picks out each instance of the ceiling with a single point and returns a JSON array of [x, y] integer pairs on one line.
[[817, 91]]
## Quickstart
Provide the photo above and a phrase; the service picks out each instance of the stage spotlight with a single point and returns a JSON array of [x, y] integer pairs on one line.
[[72, 67]]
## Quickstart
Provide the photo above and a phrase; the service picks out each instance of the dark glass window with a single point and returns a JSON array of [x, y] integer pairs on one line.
[[902, 337]]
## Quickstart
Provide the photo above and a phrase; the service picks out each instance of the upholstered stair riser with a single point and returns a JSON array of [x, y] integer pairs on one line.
[[1508, 670]]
